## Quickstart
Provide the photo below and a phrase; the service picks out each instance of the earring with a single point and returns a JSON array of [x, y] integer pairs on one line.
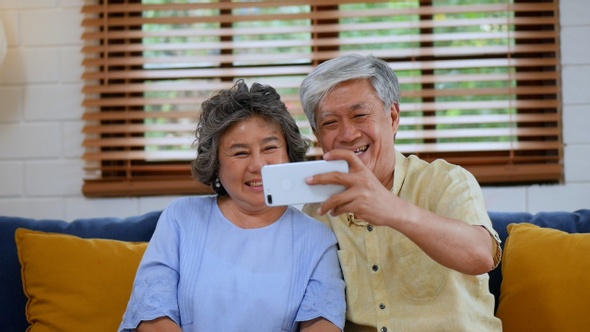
[[217, 184]]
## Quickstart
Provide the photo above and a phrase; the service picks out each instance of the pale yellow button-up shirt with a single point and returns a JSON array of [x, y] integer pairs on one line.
[[391, 284]]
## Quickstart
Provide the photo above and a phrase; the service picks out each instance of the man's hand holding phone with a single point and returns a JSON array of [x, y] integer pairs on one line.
[[284, 184]]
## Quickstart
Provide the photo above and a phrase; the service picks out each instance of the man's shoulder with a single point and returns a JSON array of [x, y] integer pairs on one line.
[[310, 209], [419, 175], [416, 161], [436, 167]]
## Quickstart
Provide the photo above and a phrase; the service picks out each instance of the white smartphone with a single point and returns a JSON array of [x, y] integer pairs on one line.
[[284, 184]]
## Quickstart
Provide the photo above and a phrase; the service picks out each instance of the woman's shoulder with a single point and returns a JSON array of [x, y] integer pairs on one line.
[[189, 206], [304, 218], [192, 202]]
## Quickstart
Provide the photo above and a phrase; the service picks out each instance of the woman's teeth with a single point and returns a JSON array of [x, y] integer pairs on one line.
[[254, 183]]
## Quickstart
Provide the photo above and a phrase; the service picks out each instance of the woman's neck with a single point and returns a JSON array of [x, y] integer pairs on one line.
[[249, 218]]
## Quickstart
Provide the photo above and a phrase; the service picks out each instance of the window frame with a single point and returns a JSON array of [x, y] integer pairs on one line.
[[118, 165]]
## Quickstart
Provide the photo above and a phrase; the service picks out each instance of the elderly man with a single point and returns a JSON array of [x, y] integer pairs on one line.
[[415, 240]]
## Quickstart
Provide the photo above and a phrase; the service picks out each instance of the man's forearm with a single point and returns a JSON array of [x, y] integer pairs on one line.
[[162, 324]]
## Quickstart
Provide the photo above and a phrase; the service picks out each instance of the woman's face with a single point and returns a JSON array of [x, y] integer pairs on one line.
[[245, 147]]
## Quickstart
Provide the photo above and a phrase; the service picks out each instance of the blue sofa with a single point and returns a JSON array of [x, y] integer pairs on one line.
[[140, 228]]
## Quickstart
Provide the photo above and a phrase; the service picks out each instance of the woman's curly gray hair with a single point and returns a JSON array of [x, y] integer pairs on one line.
[[230, 106]]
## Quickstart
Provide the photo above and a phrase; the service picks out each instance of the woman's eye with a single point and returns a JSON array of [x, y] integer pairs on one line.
[[271, 147]]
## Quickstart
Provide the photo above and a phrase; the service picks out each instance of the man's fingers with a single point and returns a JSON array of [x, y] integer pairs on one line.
[[354, 163]]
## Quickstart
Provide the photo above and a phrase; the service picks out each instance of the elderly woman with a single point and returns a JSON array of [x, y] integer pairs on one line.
[[228, 262]]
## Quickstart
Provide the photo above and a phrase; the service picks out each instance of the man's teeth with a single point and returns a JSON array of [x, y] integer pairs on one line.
[[360, 150], [255, 183]]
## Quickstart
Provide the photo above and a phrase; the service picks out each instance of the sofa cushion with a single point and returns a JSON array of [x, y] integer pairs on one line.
[[12, 297], [571, 222], [545, 276], [76, 284]]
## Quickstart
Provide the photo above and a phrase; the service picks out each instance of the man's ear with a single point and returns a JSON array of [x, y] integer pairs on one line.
[[317, 138], [315, 133], [394, 113]]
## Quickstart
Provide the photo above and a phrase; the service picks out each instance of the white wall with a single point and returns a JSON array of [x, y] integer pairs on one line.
[[40, 127], [575, 65]]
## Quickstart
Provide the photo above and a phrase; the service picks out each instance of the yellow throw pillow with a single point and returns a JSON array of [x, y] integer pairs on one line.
[[76, 284], [546, 273]]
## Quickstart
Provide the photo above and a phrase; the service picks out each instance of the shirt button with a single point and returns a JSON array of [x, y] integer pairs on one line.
[[375, 268], [382, 306], [383, 329], [370, 228]]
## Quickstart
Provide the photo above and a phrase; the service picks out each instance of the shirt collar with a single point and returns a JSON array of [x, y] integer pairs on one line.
[[399, 174]]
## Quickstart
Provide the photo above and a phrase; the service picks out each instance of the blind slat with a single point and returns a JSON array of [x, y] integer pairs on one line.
[[406, 148], [249, 44], [406, 134], [325, 15], [328, 28], [130, 101]]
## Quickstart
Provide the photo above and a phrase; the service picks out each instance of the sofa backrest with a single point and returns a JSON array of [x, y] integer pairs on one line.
[[12, 297]]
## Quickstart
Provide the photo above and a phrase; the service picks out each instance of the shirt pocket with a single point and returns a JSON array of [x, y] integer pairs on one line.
[[350, 272], [420, 276]]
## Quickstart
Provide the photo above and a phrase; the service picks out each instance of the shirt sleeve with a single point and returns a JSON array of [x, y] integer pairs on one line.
[[155, 288], [324, 295], [463, 200]]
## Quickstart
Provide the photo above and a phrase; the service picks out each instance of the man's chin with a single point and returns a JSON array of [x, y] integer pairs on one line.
[[366, 159]]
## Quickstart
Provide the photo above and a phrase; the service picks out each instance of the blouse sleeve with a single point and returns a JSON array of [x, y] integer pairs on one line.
[[324, 296], [155, 288]]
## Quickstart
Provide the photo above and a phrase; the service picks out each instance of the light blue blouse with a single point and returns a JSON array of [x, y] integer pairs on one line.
[[206, 274]]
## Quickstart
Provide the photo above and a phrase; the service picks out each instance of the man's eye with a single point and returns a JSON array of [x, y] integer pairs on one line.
[[240, 154], [360, 116], [328, 124]]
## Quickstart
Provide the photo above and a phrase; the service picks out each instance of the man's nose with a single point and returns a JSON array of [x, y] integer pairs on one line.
[[348, 131]]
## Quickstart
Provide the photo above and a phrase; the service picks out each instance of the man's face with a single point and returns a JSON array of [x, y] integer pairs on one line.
[[352, 117]]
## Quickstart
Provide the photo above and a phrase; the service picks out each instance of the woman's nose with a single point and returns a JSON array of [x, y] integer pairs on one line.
[[256, 162]]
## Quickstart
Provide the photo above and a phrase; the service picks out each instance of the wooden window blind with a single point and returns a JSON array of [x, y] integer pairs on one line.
[[480, 80]]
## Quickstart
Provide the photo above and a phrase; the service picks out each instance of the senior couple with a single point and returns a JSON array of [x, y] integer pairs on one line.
[[406, 247]]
